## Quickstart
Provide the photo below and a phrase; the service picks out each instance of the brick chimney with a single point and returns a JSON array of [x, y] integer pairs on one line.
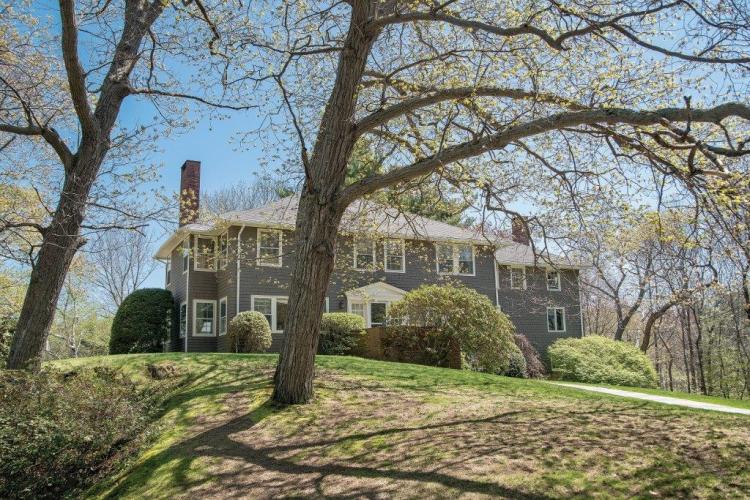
[[190, 191], [519, 233]]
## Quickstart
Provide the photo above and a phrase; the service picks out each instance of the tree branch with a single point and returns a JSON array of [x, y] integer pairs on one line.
[[539, 126]]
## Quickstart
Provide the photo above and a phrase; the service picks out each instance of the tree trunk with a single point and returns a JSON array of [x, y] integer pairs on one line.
[[652, 319], [319, 215], [60, 242]]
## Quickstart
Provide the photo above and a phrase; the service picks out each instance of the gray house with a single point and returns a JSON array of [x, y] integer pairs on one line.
[[241, 261]]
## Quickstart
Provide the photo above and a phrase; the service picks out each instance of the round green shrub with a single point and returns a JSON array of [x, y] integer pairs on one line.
[[340, 332], [249, 331], [143, 322], [599, 360], [464, 316]]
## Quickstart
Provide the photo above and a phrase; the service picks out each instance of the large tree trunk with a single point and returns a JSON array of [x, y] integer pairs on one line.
[[319, 216], [60, 242]]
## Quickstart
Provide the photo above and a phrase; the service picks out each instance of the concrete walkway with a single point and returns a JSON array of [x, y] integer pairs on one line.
[[687, 403]]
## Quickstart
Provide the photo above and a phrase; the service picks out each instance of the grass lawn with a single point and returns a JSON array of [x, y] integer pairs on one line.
[[734, 403], [381, 429]]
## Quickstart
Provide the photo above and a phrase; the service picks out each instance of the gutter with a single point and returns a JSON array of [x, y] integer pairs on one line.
[[239, 269]]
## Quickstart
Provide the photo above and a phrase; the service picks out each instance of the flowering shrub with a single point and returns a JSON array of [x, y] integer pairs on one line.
[[599, 360], [463, 316]]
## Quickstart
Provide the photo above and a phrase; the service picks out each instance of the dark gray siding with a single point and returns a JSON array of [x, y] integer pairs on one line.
[[528, 308], [178, 289]]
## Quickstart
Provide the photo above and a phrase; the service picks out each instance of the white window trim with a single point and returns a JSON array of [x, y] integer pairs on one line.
[[274, 300], [222, 261], [180, 332], [226, 318], [366, 306], [456, 266], [564, 320], [195, 322], [510, 276], [559, 280], [197, 248], [354, 251], [185, 254], [385, 256], [281, 247], [168, 274]]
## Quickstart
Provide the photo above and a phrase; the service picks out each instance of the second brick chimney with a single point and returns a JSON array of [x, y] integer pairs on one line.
[[190, 191], [519, 233]]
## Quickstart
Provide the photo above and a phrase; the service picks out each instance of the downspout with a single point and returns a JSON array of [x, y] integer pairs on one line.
[[580, 301], [239, 270], [187, 295], [497, 279]]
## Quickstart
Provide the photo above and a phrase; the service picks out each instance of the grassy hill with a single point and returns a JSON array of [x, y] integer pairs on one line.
[[386, 429]]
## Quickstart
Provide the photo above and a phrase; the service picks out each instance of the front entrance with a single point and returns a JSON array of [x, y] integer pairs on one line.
[[378, 312]]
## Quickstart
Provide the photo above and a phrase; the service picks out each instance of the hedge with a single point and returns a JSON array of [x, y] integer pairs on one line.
[[249, 331], [143, 322], [599, 360]]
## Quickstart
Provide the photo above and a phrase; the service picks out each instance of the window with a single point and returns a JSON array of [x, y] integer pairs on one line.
[[364, 254], [185, 256], [455, 259], [223, 316], [169, 272], [555, 319], [395, 258], [358, 308], [518, 278], [553, 281], [205, 254], [378, 313], [183, 319], [273, 308], [204, 317], [269, 247], [223, 257]]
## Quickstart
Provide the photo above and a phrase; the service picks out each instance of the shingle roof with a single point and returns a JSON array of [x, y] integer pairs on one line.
[[512, 253]]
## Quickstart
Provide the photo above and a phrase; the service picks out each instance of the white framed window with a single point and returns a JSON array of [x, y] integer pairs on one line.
[[555, 319], [553, 281], [374, 313], [168, 277], [274, 308], [455, 259], [183, 319], [205, 253], [269, 247], [518, 278], [223, 316], [186, 255], [364, 255], [204, 318], [223, 254], [394, 256]]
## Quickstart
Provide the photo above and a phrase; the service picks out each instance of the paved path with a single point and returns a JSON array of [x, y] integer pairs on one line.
[[687, 403]]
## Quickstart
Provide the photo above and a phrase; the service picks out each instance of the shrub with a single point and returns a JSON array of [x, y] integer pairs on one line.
[[340, 332], [534, 366], [599, 360], [143, 322], [249, 331], [61, 432], [516, 364], [464, 316], [420, 345]]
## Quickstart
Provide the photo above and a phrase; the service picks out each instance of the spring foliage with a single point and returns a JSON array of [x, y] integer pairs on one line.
[[464, 316], [249, 331], [340, 332], [599, 360], [143, 322]]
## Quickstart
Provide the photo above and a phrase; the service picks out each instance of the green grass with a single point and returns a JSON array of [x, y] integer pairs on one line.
[[734, 403], [386, 429]]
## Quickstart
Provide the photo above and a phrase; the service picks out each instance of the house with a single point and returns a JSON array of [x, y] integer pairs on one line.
[[241, 261]]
